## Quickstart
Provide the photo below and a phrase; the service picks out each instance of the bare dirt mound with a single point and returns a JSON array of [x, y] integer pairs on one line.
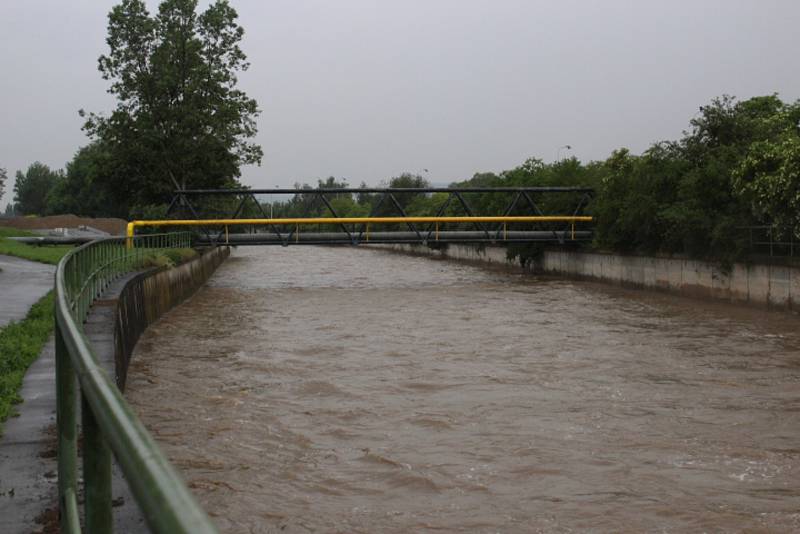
[[110, 225]]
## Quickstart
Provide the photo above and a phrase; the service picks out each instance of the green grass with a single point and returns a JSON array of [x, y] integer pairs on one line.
[[20, 345], [6, 231], [169, 257], [43, 254]]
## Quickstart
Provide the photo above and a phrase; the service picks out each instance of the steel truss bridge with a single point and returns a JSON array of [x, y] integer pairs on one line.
[[237, 217]]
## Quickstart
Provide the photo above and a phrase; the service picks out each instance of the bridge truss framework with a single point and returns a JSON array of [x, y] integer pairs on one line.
[[220, 214]]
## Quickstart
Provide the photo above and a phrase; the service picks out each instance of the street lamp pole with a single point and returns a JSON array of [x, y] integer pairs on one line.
[[558, 152]]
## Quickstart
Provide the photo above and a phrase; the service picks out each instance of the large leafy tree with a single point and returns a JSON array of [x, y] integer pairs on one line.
[[180, 120], [32, 188]]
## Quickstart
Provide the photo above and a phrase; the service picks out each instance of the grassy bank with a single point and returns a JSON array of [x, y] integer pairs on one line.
[[43, 254], [168, 257], [20, 344]]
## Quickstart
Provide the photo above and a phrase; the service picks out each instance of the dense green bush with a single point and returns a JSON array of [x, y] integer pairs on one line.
[[693, 196]]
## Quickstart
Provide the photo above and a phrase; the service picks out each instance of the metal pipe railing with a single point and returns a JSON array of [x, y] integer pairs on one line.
[[355, 190], [772, 240], [131, 228], [108, 423]]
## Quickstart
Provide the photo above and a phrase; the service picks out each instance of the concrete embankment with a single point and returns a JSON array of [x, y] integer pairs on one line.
[[773, 286], [117, 319], [150, 295]]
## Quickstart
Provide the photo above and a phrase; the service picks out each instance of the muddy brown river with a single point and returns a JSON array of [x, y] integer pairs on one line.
[[310, 389]]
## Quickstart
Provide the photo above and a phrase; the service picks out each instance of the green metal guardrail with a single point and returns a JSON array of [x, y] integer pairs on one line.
[[108, 422]]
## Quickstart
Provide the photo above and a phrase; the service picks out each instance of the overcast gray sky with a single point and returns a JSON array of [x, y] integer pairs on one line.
[[368, 89]]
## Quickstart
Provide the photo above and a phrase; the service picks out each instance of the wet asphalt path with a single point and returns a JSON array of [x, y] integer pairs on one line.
[[27, 470], [22, 283]]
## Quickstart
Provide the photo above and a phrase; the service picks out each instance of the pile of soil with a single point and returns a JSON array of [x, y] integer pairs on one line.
[[110, 225]]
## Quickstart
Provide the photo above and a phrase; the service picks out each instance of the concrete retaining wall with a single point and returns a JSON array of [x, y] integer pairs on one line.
[[773, 286], [761, 285], [149, 295], [494, 256]]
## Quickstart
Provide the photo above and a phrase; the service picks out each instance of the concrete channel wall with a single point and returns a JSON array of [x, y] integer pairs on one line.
[[149, 295], [771, 286], [495, 256]]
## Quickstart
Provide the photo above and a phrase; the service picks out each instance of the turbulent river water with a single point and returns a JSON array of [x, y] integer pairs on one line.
[[354, 390]]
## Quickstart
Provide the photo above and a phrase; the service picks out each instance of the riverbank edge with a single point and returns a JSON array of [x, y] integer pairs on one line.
[[117, 321], [767, 286], [149, 295]]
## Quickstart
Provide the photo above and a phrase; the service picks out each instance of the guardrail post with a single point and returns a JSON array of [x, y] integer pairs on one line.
[[66, 423], [96, 473]]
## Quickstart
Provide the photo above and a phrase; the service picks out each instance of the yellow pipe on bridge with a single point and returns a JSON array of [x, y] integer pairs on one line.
[[131, 229]]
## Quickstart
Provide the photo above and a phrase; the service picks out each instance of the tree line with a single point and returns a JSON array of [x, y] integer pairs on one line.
[[736, 166], [182, 122]]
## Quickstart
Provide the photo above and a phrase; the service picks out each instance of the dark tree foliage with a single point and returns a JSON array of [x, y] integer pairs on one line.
[[683, 197], [3, 177], [32, 188], [303, 204], [737, 165], [408, 201], [79, 190], [180, 121], [532, 173]]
